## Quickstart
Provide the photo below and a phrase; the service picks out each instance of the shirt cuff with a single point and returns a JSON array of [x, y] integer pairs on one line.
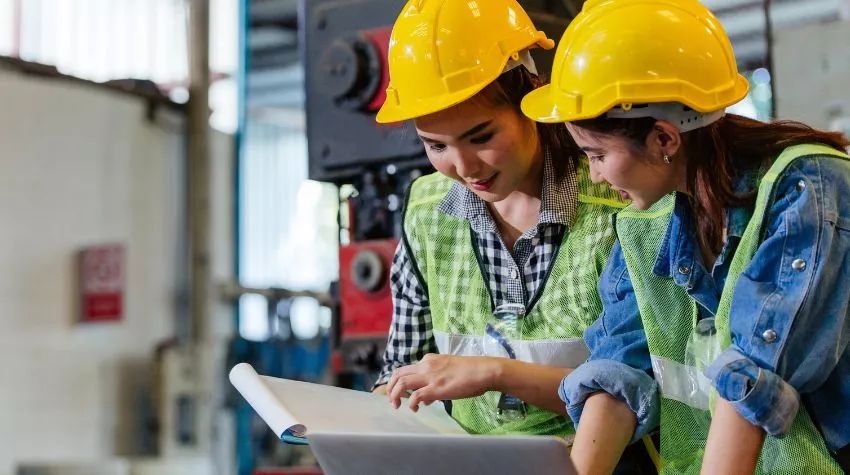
[[632, 386], [760, 396], [383, 378]]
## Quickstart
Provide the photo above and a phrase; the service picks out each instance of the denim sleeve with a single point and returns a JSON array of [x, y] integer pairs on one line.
[[619, 362], [789, 312]]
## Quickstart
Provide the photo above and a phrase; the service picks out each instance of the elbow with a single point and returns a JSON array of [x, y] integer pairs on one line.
[[635, 389], [758, 395]]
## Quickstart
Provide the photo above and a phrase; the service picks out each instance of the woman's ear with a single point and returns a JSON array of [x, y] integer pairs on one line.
[[667, 137]]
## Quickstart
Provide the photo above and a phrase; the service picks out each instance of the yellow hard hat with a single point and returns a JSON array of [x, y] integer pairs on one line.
[[442, 52], [626, 52]]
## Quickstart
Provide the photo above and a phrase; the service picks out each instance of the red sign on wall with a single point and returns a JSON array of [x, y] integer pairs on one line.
[[101, 283]]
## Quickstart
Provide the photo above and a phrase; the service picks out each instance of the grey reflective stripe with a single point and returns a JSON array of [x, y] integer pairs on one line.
[[681, 383], [566, 353]]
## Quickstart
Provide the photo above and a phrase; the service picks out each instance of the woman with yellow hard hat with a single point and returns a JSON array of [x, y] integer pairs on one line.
[[510, 222], [731, 262]]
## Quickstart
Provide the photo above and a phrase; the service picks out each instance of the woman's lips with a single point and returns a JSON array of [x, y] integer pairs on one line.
[[483, 185]]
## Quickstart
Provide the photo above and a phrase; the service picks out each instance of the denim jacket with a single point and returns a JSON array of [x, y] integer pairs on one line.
[[789, 336]]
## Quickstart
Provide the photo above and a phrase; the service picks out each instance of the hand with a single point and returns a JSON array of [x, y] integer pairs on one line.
[[382, 389], [437, 377]]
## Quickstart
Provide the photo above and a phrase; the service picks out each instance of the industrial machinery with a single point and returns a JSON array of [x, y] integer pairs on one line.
[[344, 48]]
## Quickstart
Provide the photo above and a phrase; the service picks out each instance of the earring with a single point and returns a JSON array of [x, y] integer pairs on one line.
[[667, 159]]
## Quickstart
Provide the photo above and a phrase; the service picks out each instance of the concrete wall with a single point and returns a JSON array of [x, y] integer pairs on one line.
[[80, 165], [812, 73]]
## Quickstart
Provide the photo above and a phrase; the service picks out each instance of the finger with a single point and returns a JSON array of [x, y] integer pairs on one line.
[[424, 395], [398, 373], [399, 391], [404, 385], [413, 402], [420, 396]]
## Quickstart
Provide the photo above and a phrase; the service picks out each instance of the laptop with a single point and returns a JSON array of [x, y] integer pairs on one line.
[[386, 454]]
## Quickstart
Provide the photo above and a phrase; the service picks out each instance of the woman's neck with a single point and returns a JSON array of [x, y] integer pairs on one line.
[[518, 212]]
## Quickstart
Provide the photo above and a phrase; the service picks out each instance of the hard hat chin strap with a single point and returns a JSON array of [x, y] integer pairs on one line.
[[682, 116]]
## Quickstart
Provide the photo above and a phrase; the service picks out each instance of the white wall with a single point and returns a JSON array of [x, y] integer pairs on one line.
[[80, 165], [812, 72]]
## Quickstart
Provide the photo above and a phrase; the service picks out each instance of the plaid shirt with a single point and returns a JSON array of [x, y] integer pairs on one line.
[[509, 279]]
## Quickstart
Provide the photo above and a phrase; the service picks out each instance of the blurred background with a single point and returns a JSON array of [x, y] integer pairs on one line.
[[187, 184]]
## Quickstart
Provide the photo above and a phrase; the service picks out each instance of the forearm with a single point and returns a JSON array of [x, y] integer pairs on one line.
[[606, 427], [533, 383], [733, 443]]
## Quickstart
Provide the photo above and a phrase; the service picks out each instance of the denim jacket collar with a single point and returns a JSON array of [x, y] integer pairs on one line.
[[677, 252]]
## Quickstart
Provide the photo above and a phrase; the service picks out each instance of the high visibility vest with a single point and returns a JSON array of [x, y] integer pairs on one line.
[[555, 318]]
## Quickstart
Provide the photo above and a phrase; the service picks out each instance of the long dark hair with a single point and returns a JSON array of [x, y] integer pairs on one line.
[[716, 155], [508, 90]]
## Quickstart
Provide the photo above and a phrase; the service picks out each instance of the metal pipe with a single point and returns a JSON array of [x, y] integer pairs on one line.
[[199, 175], [234, 290], [239, 143], [768, 35]]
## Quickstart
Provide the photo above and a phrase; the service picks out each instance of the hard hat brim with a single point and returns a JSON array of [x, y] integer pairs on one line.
[[390, 114], [537, 105]]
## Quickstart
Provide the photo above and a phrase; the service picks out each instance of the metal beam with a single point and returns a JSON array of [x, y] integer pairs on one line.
[[271, 37], [288, 22], [283, 13], [269, 78], [273, 58], [273, 8], [285, 99], [234, 290], [768, 36], [199, 171]]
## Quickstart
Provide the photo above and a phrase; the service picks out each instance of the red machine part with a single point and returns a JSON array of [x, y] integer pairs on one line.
[[380, 39], [365, 305], [366, 302]]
